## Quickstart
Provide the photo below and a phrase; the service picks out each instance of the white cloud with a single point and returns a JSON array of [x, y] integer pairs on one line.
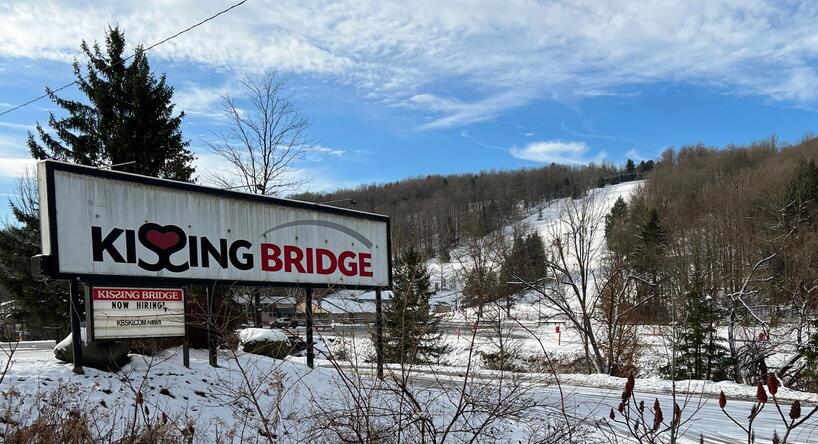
[[556, 151], [199, 100], [16, 167], [17, 126], [326, 150], [499, 54], [454, 112], [315, 178], [635, 155]]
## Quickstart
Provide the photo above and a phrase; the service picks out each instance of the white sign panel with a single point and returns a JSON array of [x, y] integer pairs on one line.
[[137, 312], [104, 225]]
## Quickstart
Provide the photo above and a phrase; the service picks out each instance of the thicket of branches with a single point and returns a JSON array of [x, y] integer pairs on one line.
[[734, 246], [433, 213]]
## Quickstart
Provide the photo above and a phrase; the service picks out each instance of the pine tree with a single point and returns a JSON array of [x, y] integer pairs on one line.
[[617, 224], [534, 257], [652, 237], [512, 269], [481, 287], [35, 303], [630, 167], [411, 331], [128, 117], [700, 352]]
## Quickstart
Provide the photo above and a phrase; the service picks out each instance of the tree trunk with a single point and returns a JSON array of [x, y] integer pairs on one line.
[[256, 308]]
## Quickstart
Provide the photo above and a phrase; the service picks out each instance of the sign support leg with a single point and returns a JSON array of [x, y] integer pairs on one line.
[[186, 339], [211, 333], [379, 333], [76, 333], [308, 313]]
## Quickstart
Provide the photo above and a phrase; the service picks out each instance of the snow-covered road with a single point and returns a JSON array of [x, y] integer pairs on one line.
[[701, 413], [705, 416]]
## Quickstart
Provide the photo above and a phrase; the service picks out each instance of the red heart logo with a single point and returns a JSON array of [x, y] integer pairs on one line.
[[162, 240]]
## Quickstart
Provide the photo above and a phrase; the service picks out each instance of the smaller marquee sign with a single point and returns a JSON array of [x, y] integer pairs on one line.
[[124, 312]]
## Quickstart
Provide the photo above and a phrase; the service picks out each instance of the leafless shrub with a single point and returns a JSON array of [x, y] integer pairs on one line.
[[796, 417], [649, 423], [66, 415]]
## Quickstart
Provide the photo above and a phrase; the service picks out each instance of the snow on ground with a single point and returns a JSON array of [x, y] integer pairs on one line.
[[548, 219], [262, 335], [300, 402], [68, 341], [529, 342], [446, 277], [351, 301]]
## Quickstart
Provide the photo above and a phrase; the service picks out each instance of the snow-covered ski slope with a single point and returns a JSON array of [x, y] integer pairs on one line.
[[550, 219], [598, 203]]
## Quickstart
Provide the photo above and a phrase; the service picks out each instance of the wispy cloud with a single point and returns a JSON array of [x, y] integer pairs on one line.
[[199, 100], [634, 154], [499, 55], [15, 167], [556, 151], [17, 126], [466, 135], [450, 112], [588, 135], [319, 149]]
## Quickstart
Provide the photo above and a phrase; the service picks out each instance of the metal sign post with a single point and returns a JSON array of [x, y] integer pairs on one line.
[[308, 312], [379, 333], [211, 332], [186, 341], [76, 328]]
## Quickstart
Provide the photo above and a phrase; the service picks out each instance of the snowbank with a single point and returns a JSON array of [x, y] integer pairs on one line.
[[66, 343], [300, 401], [248, 335]]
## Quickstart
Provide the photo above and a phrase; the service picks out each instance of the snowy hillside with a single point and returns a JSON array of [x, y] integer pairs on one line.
[[549, 220]]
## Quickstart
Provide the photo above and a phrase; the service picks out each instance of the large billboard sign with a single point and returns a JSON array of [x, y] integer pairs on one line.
[[127, 312], [114, 227]]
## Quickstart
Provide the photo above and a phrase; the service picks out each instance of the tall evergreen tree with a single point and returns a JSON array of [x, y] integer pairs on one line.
[[128, 117], [701, 354], [652, 239], [411, 331], [534, 257], [36, 305], [617, 228], [512, 269], [481, 287]]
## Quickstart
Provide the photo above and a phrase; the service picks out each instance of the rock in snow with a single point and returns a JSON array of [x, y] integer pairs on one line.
[[102, 355], [262, 341]]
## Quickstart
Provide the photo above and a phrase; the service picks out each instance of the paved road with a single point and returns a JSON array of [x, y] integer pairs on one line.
[[705, 416], [463, 328], [35, 346]]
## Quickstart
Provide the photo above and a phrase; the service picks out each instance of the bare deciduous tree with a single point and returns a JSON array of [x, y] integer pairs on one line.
[[264, 141]]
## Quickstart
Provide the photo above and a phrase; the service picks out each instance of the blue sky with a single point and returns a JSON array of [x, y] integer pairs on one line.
[[398, 89]]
